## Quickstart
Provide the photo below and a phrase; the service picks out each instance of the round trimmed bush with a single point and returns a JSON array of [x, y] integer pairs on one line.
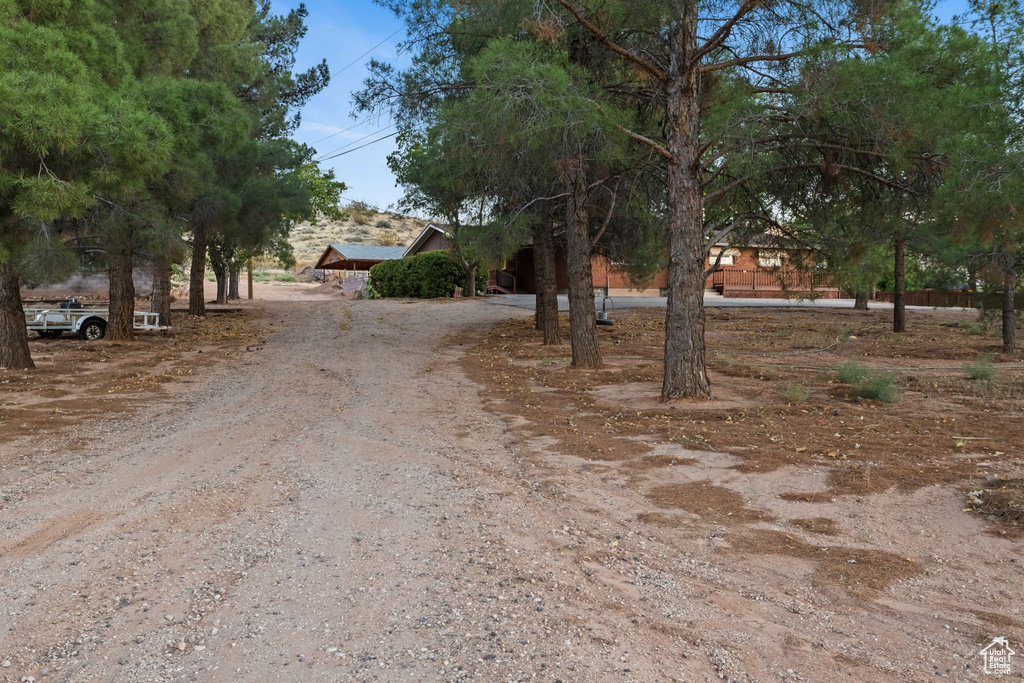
[[429, 275]]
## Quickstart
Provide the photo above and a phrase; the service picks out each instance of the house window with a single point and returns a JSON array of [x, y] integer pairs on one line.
[[727, 258], [769, 259]]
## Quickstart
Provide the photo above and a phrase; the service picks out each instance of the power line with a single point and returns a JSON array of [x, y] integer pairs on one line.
[[368, 135], [341, 154], [350, 64], [327, 137], [366, 53]]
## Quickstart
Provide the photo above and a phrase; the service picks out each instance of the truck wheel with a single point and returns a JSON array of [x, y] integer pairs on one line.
[[92, 329], [49, 334]]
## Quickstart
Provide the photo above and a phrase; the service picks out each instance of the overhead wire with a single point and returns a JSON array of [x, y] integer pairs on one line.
[[355, 149], [325, 155], [328, 137], [353, 62], [347, 66]]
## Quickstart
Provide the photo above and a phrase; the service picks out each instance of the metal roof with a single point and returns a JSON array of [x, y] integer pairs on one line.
[[368, 252]]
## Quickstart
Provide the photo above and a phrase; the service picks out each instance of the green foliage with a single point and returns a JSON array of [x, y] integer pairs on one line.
[[325, 192], [981, 369], [882, 386], [392, 278], [286, 277], [851, 373], [383, 224], [46, 259], [432, 274]]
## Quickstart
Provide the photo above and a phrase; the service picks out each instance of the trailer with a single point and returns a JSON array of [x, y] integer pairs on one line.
[[88, 323]]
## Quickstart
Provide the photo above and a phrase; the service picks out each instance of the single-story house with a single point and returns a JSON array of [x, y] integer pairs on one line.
[[757, 269], [435, 237], [356, 256], [744, 271]]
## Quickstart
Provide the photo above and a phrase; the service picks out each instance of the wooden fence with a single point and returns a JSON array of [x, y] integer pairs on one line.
[[943, 299]]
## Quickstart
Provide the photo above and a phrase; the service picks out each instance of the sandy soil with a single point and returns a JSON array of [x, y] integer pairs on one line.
[[337, 500]]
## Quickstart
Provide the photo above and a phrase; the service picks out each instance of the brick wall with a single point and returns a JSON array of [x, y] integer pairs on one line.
[[616, 283]]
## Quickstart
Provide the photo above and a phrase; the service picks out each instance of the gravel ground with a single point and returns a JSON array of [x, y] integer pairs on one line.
[[338, 506]]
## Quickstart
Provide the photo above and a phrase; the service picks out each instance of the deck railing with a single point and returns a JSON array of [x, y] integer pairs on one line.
[[793, 280]]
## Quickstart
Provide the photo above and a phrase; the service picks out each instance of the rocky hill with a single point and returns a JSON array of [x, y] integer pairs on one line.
[[359, 225]]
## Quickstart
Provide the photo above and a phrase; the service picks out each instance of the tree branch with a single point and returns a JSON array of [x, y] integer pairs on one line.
[[611, 45], [791, 167], [740, 61], [607, 218], [719, 36], [724, 232], [646, 141]]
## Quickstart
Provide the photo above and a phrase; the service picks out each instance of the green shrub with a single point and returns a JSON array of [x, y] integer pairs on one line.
[[286, 277], [392, 278], [977, 329], [428, 275], [851, 373], [880, 386], [383, 224], [981, 369], [798, 393], [436, 274]]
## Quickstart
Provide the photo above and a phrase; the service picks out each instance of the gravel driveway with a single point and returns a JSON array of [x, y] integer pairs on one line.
[[334, 506], [338, 506]]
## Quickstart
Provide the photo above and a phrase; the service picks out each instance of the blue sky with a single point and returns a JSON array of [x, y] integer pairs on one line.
[[348, 33]]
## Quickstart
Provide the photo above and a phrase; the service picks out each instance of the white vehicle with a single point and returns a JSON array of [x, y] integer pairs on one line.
[[88, 323]]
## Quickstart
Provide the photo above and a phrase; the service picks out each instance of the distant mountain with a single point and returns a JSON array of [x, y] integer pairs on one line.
[[359, 225]]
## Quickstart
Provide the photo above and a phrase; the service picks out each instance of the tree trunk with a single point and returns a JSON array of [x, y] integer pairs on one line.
[[233, 274], [547, 283], [14, 353], [899, 309], [222, 275], [685, 370], [860, 301], [1009, 292], [121, 323], [470, 288], [160, 301], [582, 328], [197, 274], [249, 275]]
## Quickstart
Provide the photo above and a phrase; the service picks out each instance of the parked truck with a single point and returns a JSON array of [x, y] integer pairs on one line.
[[89, 323]]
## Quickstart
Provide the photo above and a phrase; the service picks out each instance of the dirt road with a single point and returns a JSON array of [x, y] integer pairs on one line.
[[338, 506]]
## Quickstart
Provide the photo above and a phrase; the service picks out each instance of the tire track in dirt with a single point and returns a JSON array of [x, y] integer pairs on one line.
[[335, 506]]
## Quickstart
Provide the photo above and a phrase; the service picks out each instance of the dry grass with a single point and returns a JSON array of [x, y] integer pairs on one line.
[[358, 227], [1002, 500]]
